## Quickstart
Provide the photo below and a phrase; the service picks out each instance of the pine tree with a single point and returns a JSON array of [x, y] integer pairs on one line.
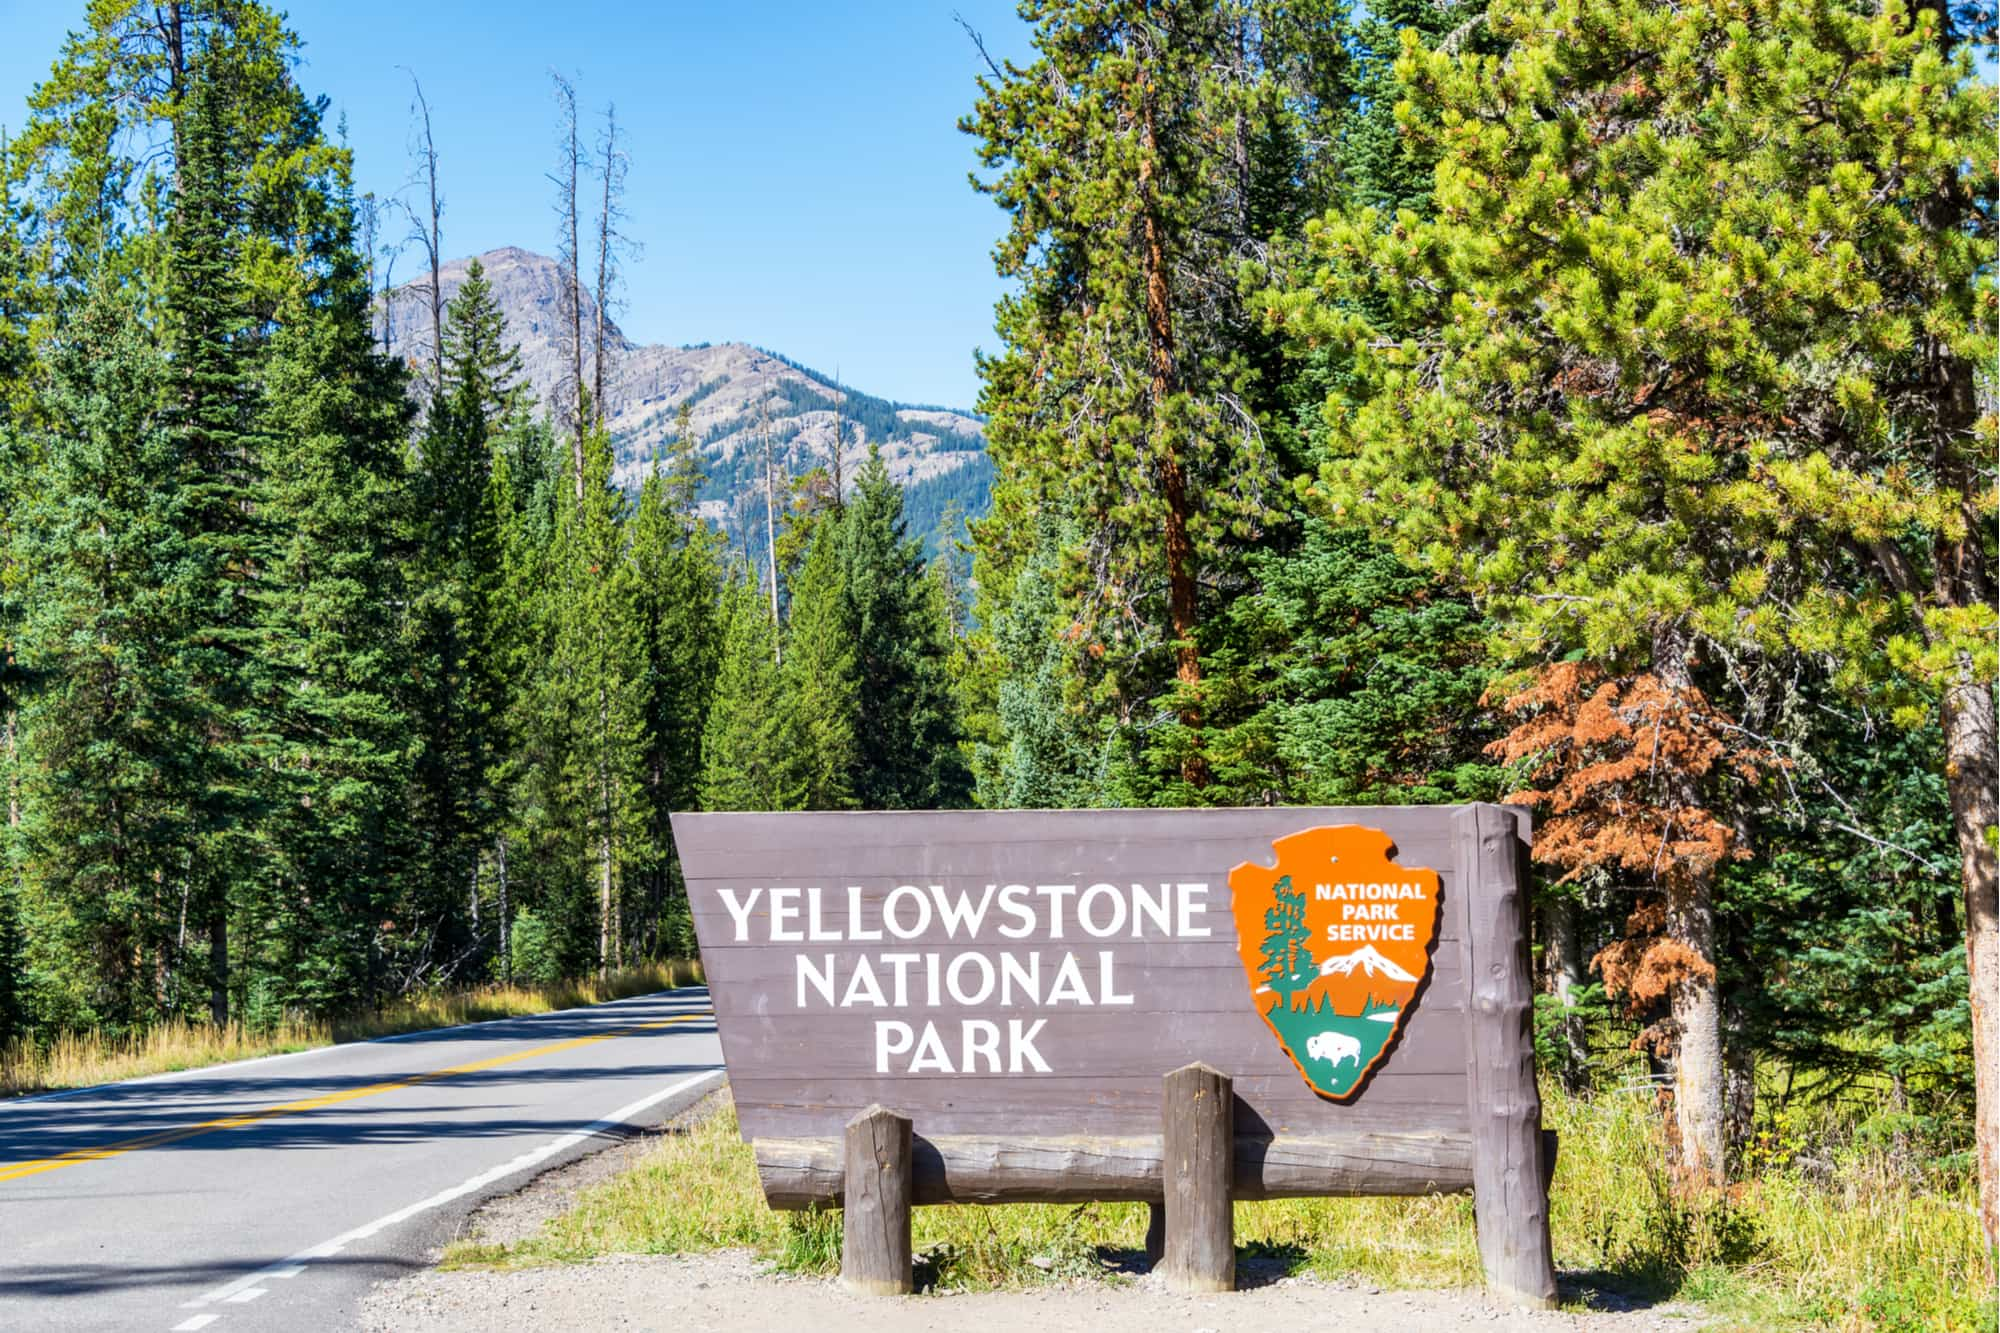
[[459, 695], [819, 712], [744, 764], [1652, 417], [335, 415], [596, 655], [906, 727], [675, 576], [177, 162], [212, 401], [1120, 395], [482, 367], [1385, 167], [17, 475], [1287, 962], [112, 740], [1041, 748], [540, 860], [1343, 676]]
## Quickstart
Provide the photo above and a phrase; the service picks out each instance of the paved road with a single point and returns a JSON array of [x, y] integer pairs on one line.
[[270, 1194]]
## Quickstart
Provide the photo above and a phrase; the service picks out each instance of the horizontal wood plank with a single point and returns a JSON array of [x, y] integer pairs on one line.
[[997, 1105], [806, 1172]]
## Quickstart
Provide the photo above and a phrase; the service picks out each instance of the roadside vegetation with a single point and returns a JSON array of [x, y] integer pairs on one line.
[[81, 1059], [1582, 403], [1844, 1226]]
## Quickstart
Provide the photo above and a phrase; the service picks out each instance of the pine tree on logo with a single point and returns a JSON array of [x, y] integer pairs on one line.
[[1288, 962]]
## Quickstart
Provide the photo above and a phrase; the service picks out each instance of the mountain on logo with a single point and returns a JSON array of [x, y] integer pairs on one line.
[[1367, 961]]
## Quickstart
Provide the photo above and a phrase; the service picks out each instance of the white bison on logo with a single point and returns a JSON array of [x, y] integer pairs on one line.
[[1335, 1046]]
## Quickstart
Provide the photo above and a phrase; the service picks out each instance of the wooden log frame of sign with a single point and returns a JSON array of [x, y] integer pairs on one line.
[[1045, 1069]]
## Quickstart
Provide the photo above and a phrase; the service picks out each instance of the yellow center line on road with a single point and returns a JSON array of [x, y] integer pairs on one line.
[[17, 1170]]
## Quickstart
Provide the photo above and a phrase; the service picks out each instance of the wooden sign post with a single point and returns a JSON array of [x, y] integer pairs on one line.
[[1186, 1007]]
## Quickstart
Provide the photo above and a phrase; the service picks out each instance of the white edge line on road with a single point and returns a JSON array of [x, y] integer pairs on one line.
[[173, 1074], [328, 1248], [193, 1322]]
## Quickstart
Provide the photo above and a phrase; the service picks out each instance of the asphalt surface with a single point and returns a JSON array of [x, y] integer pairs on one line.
[[270, 1194]]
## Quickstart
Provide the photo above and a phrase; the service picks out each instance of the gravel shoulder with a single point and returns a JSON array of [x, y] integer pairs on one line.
[[729, 1289]]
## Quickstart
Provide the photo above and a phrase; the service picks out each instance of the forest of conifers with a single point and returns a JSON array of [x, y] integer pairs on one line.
[[1586, 404]]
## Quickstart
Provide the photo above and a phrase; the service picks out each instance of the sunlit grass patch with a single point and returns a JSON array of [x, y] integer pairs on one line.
[[76, 1060], [1866, 1248]]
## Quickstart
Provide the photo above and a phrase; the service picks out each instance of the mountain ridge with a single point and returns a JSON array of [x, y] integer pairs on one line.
[[936, 453]]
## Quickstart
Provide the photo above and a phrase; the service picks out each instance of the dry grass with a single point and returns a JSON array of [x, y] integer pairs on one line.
[[1865, 1248], [75, 1060]]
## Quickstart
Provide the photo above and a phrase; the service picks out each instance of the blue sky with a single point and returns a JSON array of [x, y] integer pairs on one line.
[[798, 180]]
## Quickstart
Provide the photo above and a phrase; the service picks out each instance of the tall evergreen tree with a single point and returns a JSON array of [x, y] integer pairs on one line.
[[597, 653], [335, 415], [113, 737], [744, 760], [1120, 393], [820, 710], [675, 577], [906, 729], [458, 694], [212, 401], [1039, 749]]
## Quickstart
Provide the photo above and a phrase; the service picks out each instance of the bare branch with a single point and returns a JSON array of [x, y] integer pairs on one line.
[[569, 159], [427, 228], [612, 163], [978, 44]]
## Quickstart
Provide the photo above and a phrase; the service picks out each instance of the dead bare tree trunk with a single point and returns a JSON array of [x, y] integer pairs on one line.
[[607, 934], [569, 163], [839, 437], [429, 228], [612, 164], [770, 531]]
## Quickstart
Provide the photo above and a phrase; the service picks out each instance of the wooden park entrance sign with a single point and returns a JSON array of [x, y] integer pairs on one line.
[[1185, 1007]]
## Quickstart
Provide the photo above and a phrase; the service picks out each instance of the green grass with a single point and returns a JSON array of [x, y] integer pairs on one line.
[[84, 1059], [1864, 1242]]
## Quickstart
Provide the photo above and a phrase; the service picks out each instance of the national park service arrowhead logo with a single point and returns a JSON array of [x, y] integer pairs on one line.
[[1336, 942]]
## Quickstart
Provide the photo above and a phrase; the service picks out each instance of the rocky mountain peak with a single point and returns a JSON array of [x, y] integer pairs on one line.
[[938, 454]]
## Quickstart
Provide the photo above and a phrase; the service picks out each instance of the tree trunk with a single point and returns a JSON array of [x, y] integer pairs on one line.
[[506, 944], [1698, 1070], [771, 535], [218, 966], [1699, 1078], [1562, 961], [1970, 778], [605, 238], [1173, 474], [1739, 1087], [607, 937], [13, 772], [569, 230], [433, 242], [607, 925]]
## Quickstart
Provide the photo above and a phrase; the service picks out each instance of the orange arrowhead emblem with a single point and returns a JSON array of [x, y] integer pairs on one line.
[[1336, 944]]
